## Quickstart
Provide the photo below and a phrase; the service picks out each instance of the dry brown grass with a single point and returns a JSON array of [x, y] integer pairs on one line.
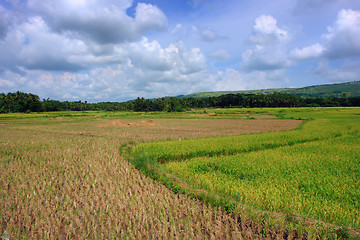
[[69, 181]]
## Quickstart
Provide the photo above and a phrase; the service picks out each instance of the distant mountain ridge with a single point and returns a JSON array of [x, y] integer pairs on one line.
[[348, 89]]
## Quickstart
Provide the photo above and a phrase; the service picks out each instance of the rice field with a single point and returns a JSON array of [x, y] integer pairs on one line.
[[305, 180], [64, 176]]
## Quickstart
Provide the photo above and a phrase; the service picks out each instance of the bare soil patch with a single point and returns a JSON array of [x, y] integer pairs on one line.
[[57, 118], [238, 116], [164, 129], [121, 123]]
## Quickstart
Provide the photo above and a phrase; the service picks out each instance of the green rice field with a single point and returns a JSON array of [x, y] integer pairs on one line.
[[303, 177]]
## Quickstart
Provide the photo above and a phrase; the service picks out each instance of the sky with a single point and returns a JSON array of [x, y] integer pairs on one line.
[[118, 50]]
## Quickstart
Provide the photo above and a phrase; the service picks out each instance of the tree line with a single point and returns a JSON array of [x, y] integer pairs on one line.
[[28, 102]]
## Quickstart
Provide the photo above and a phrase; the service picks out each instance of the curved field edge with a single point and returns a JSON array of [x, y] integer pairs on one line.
[[160, 160]]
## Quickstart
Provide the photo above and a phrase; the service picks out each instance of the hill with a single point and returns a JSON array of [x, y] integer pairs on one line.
[[349, 89]]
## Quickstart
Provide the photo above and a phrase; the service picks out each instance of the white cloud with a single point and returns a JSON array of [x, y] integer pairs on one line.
[[32, 51], [100, 21], [33, 46], [269, 52], [314, 51], [151, 56], [149, 17], [147, 70], [343, 37], [341, 41], [94, 50], [266, 32]]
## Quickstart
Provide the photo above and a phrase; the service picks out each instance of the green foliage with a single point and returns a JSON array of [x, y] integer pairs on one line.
[[19, 102], [311, 172], [349, 89], [22, 102]]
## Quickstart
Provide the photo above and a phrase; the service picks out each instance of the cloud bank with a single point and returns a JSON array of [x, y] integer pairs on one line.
[[118, 50]]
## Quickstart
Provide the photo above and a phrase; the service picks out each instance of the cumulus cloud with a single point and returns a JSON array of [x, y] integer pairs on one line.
[[150, 55], [33, 43], [149, 17], [33, 46], [314, 51], [62, 55], [93, 50], [266, 32], [101, 21], [269, 46], [147, 70], [342, 39]]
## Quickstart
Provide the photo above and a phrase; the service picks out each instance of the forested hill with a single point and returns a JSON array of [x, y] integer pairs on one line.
[[336, 95], [349, 89]]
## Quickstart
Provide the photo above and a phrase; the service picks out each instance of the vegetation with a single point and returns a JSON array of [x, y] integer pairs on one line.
[[63, 176], [293, 179], [349, 89], [23, 102]]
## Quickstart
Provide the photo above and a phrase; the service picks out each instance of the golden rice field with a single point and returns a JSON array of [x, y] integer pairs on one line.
[[63, 176]]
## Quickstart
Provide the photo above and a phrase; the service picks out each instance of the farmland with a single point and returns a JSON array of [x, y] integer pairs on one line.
[[311, 173], [67, 175]]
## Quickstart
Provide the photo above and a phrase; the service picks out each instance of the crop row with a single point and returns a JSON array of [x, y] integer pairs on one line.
[[316, 179], [229, 145], [311, 172]]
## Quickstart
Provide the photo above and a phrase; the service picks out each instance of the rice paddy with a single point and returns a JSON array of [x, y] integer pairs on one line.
[[66, 175]]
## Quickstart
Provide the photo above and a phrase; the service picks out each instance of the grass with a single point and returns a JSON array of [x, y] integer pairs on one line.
[[310, 174]]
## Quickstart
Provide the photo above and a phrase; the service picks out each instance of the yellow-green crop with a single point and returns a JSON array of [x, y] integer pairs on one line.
[[311, 173]]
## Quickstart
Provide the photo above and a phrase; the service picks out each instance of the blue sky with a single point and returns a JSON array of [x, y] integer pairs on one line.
[[117, 50]]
